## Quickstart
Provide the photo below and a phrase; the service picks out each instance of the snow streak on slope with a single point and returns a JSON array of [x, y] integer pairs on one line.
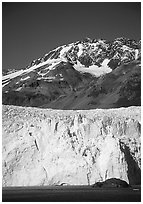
[[53, 62], [13, 75]]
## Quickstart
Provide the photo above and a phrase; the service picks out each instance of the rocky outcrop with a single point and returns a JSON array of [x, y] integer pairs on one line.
[[112, 183], [51, 147]]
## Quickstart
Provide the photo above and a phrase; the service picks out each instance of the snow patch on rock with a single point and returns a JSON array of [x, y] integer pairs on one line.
[[94, 69]]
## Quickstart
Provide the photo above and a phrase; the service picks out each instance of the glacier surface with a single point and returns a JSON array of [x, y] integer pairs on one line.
[[52, 147]]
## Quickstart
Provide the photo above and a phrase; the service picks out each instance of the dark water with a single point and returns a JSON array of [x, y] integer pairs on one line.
[[70, 194]]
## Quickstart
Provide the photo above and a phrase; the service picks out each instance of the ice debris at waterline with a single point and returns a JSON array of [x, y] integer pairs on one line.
[[51, 147]]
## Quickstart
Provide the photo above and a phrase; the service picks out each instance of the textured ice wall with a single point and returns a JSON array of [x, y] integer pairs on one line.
[[48, 147]]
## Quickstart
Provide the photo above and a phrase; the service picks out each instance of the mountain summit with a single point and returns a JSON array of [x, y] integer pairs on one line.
[[86, 74]]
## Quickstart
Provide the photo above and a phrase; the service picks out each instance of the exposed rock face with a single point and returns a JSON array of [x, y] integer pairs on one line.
[[51, 147], [87, 74]]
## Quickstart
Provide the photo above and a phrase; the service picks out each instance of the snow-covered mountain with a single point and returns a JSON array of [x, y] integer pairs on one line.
[[74, 147], [81, 75]]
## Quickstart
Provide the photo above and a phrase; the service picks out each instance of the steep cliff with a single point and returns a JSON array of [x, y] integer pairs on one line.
[[51, 147]]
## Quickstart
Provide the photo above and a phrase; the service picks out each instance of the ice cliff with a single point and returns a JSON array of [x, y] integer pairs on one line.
[[52, 147]]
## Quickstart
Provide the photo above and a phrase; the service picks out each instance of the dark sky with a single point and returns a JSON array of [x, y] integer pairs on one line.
[[30, 30]]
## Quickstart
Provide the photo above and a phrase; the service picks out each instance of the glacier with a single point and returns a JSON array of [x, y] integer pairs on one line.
[[76, 147]]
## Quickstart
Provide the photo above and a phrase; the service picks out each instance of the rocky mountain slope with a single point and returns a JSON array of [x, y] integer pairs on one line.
[[86, 74], [53, 147]]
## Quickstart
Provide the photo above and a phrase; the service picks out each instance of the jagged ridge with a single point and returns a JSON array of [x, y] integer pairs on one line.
[[69, 71]]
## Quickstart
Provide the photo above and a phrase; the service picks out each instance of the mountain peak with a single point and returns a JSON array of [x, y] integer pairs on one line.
[[68, 70]]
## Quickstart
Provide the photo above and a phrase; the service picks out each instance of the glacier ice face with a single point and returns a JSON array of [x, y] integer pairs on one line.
[[51, 147]]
